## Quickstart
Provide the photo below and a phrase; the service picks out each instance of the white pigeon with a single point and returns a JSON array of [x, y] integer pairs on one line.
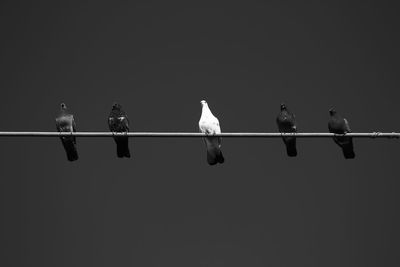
[[209, 125]]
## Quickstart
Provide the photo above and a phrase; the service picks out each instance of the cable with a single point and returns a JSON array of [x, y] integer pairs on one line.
[[187, 134]]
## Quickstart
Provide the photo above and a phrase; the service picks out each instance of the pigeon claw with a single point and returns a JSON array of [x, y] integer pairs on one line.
[[375, 134]]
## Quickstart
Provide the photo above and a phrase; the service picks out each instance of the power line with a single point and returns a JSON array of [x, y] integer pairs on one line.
[[188, 134]]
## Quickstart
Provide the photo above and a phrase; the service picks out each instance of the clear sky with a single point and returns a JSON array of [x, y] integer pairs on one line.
[[165, 206]]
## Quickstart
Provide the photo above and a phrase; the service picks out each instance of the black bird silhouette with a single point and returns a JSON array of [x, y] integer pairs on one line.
[[339, 125], [65, 123], [287, 124], [118, 122]]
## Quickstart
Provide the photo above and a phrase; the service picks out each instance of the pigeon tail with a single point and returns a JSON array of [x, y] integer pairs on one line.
[[211, 158], [290, 143], [70, 149], [291, 150], [123, 147], [214, 157], [348, 151], [220, 157]]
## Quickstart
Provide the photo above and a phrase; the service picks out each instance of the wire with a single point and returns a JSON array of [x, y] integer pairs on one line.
[[187, 134]]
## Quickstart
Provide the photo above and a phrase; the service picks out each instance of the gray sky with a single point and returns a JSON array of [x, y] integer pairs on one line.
[[165, 206]]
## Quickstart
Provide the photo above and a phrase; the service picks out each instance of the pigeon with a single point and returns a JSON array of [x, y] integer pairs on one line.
[[287, 124], [65, 123], [339, 125], [118, 122], [209, 125]]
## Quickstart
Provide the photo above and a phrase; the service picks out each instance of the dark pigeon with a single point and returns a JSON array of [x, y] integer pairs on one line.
[[118, 122], [287, 124], [339, 125], [65, 123]]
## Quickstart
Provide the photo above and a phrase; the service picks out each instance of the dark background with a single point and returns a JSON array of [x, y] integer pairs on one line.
[[166, 206]]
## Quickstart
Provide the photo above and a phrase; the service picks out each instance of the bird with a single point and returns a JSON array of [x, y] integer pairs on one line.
[[339, 125], [209, 125], [65, 123], [287, 124], [118, 123]]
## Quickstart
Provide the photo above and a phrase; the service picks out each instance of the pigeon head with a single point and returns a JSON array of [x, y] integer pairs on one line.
[[332, 111], [116, 106], [283, 106], [63, 106], [203, 102]]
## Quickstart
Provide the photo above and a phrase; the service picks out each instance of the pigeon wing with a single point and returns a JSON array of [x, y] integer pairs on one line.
[[346, 126]]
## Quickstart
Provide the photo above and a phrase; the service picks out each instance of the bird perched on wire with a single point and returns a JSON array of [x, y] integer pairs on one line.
[[287, 124], [209, 125], [65, 123], [118, 123], [339, 125]]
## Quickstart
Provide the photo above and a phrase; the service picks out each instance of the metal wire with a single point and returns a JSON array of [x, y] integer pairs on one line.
[[187, 134]]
